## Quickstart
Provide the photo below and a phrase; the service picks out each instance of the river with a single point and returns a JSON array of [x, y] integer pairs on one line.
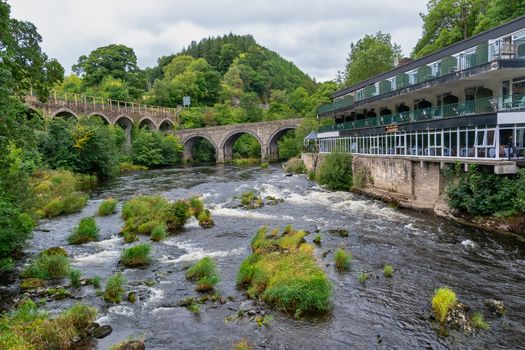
[[426, 253]]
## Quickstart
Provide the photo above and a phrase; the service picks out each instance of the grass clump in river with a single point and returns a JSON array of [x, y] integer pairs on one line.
[[143, 213], [107, 207], [478, 321], [74, 278], [138, 255], [342, 259], [444, 299], [282, 271], [363, 277], [86, 231], [27, 327], [47, 266], [249, 200], [114, 288], [205, 273], [243, 344], [205, 219], [158, 233], [388, 270]]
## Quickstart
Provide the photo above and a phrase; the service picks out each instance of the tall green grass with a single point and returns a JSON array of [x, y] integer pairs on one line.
[[86, 231], [205, 273], [342, 259], [46, 266], [444, 299], [107, 207], [114, 288], [138, 255]]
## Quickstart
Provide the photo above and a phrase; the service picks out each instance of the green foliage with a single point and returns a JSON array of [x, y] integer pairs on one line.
[[15, 228], [152, 149], [47, 266], [282, 271], [250, 200], [478, 321], [444, 299], [479, 192], [205, 273], [342, 259], [138, 255], [205, 219], [295, 166], [196, 206], [243, 344], [86, 231], [363, 277], [27, 327], [370, 56], [336, 171], [114, 288], [74, 278], [158, 233], [317, 239], [107, 207], [497, 12], [447, 22], [95, 281], [247, 146], [388, 270]]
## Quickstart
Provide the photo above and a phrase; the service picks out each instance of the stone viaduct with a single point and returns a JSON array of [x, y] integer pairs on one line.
[[112, 112], [223, 137]]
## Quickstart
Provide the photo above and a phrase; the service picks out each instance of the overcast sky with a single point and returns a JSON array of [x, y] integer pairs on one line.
[[314, 34]]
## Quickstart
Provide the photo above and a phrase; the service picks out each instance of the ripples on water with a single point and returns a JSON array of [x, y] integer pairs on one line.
[[426, 253]]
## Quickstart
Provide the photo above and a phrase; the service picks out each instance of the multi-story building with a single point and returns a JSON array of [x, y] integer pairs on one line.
[[464, 102]]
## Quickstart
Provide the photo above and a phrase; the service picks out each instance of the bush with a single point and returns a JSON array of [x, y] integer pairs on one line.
[[295, 166], [74, 278], [336, 171], [48, 267], [196, 206], [388, 270], [137, 255], [29, 328], [86, 231], [124, 167], [444, 299], [342, 259], [152, 148], [204, 272], [282, 271], [15, 229], [114, 288], [205, 219], [158, 233], [107, 207]]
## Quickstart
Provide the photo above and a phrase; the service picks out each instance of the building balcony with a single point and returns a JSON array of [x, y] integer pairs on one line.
[[467, 108]]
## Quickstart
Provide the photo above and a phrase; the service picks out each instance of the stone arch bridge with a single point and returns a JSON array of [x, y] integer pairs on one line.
[[113, 112], [223, 137]]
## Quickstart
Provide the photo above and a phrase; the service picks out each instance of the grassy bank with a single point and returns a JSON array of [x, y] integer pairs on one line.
[[282, 271]]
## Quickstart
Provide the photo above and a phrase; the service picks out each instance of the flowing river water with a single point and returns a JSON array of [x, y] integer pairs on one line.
[[425, 251]]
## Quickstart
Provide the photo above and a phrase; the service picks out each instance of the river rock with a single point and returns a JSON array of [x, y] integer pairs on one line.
[[102, 331], [131, 345], [457, 317], [495, 306]]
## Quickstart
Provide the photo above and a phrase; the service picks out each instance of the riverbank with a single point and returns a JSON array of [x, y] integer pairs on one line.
[[416, 185]]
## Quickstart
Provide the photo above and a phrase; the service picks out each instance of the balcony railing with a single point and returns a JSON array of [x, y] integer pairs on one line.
[[472, 107]]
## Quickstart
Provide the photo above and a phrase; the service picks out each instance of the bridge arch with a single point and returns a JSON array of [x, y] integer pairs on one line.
[[148, 123], [64, 113], [101, 116], [166, 125], [227, 145], [273, 147], [190, 142]]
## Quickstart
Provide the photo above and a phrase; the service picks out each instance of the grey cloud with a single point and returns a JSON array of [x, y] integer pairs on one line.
[[315, 35]]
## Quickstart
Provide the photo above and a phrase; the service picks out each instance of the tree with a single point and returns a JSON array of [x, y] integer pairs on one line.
[[117, 61], [370, 56], [447, 22], [498, 12]]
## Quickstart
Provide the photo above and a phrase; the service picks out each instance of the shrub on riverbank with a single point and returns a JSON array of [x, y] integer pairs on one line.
[[107, 207], [246, 161], [47, 266], [295, 165], [154, 149], [479, 192], [59, 192], [282, 271], [336, 172], [205, 273], [124, 167], [15, 228], [138, 255], [342, 259], [86, 231], [27, 327], [114, 288], [443, 300]]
